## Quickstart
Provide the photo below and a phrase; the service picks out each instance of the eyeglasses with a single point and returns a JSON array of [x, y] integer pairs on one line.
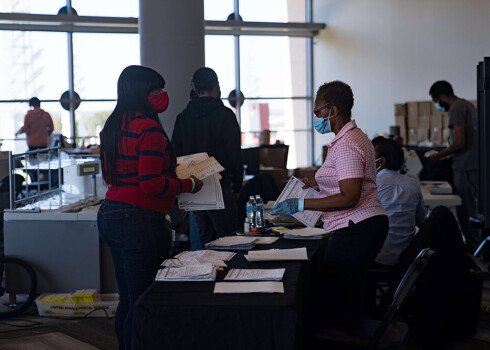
[[316, 111]]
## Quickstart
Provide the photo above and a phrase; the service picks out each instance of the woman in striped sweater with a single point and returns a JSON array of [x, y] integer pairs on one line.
[[138, 164]]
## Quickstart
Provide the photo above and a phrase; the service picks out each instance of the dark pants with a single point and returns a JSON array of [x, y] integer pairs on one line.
[[213, 224], [466, 186], [349, 254], [139, 241]]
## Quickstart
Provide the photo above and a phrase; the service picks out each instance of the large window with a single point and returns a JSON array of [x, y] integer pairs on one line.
[[273, 75], [272, 72], [32, 64]]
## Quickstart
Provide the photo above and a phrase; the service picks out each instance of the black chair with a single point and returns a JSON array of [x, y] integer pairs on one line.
[[377, 334]]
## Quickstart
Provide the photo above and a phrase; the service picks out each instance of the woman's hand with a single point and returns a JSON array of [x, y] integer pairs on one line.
[[289, 206], [309, 182], [197, 184]]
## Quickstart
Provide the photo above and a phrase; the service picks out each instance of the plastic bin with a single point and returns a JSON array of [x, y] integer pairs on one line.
[[105, 308]]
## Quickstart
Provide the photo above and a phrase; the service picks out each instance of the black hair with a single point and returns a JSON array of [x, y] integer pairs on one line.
[[339, 94], [441, 87], [133, 88], [204, 79], [34, 102], [391, 151]]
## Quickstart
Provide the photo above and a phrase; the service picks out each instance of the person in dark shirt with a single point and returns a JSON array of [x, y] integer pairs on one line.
[[138, 164], [464, 150], [206, 125]]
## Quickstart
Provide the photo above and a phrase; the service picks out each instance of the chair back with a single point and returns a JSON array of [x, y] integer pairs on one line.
[[404, 287]]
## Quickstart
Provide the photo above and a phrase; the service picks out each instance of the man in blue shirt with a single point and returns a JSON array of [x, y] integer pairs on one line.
[[400, 196]]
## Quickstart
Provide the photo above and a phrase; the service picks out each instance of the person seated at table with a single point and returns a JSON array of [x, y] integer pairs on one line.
[[400, 196], [352, 211]]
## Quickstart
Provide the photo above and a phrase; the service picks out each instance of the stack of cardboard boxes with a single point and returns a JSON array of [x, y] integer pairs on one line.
[[421, 123]]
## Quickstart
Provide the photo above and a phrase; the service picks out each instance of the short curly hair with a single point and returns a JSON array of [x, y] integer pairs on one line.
[[391, 151], [339, 94]]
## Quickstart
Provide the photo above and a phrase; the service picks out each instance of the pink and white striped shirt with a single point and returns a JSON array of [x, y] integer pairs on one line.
[[350, 155]]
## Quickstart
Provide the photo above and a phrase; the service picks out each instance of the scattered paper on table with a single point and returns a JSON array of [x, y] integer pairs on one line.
[[187, 273], [249, 287], [255, 274], [294, 189], [232, 242], [277, 254], [304, 233], [266, 240], [199, 257]]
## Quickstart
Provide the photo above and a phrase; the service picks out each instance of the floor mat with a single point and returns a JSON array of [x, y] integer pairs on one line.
[[50, 341]]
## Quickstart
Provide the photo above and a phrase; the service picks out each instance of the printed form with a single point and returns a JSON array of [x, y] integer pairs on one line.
[[249, 287], [277, 254], [255, 274], [294, 189]]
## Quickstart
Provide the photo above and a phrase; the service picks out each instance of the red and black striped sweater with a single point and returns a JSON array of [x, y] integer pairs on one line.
[[145, 175]]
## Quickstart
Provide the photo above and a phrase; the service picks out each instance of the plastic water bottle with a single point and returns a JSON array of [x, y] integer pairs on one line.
[[251, 211], [259, 218]]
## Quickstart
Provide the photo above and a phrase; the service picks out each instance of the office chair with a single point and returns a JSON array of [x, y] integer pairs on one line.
[[377, 334]]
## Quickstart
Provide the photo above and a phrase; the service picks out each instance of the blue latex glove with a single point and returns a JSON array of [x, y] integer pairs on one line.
[[289, 206]]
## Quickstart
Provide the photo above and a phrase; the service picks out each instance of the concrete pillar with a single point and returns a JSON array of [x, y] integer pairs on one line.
[[172, 43]]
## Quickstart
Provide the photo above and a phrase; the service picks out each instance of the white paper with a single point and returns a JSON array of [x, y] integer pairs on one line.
[[199, 257], [266, 240], [187, 273], [210, 197], [230, 241], [304, 233], [294, 189], [200, 169], [255, 274], [277, 254], [249, 287]]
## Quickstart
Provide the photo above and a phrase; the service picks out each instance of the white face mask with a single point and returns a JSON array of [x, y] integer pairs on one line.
[[378, 168]]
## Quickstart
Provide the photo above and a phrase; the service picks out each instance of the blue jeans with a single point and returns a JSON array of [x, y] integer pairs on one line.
[[139, 240]]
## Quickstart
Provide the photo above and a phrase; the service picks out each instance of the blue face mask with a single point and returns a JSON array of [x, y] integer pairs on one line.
[[321, 125], [439, 107]]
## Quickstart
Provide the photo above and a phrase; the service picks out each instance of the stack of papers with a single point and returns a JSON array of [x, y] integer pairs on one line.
[[187, 273], [304, 233], [255, 274], [249, 287], [199, 257], [210, 197], [232, 243], [266, 240], [294, 189], [277, 254]]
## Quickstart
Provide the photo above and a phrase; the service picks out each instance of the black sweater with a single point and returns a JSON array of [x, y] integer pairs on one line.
[[206, 125]]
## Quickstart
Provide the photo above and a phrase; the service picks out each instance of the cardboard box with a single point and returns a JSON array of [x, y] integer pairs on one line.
[[424, 108], [412, 137], [445, 120], [104, 308], [422, 135], [412, 115], [436, 121], [400, 109], [424, 122], [445, 136], [401, 121], [436, 136]]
